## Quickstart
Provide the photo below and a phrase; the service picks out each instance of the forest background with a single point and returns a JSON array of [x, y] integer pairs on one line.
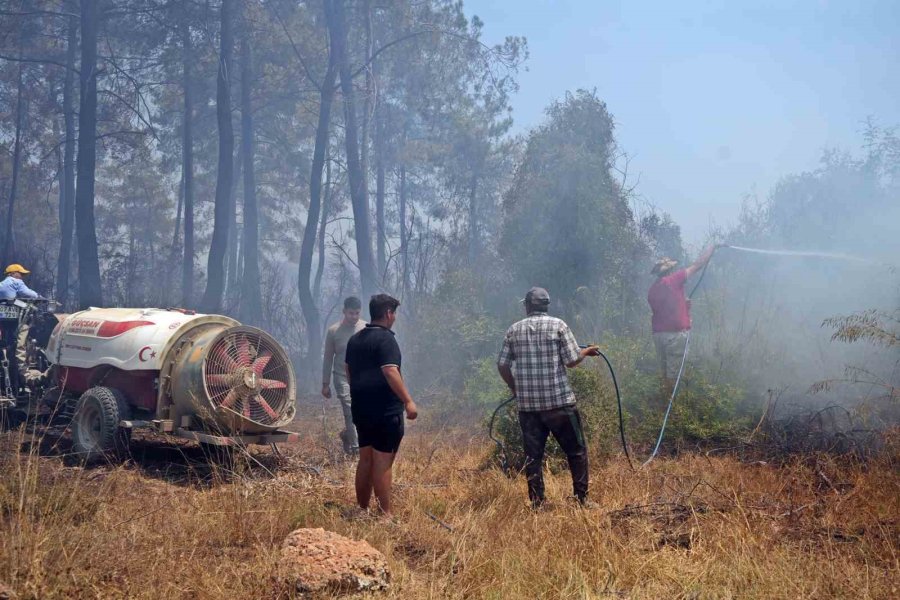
[[266, 159]]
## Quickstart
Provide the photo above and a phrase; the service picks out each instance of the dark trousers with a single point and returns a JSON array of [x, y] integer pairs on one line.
[[565, 425], [8, 342]]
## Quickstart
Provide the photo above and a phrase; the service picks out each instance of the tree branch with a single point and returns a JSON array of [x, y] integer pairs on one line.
[[43, 61], [299, 56], [133, 109], [137, 89], [339, 246], [390, 44], [31, 13]]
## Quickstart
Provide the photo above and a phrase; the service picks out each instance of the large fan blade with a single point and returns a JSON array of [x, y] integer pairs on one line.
[[260, 364], [218, 379], [272, 384], [243, 351], [221, 358], [265, 406], [229, 399], [246, 403]]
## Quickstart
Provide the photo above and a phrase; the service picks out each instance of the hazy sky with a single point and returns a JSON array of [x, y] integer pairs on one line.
[[713, 100]]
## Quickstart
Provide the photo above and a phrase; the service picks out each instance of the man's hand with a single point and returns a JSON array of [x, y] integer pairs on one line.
[[701, 261], [326, 390], [412, 411], [590, 351], [395, 381]]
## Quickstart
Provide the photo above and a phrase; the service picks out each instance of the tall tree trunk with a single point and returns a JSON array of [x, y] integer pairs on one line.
[[232, 273], [358, 193], [131, 266], [67, 191], [174, 249], [9, 242], [308, 302], [148, 290], [187, 161], [215, 271], [60, 183], [323, 222], [90, 292], [251, 299], [404, 238], [179, 211], [380, 231], [369, 95], [373, 106]]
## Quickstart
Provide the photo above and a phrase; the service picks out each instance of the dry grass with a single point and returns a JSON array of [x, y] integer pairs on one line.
[[164, 525]]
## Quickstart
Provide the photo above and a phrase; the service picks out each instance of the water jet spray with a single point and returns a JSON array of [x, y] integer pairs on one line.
[[792, 253]]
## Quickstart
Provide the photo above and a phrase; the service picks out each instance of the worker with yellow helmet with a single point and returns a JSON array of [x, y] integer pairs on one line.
[[13, 287], [14, 334]]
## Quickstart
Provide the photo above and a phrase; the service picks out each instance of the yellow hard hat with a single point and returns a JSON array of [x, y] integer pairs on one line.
[[17, 268]]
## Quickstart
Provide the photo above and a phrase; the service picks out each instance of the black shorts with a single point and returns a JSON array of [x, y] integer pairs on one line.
[[383, 434]]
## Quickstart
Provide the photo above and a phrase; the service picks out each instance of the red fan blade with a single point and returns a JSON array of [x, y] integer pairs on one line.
[[229, 399], [218, 379], [222, 359], [272, 384], [246, 403], [260, 364], [265, 406], [243, 351]]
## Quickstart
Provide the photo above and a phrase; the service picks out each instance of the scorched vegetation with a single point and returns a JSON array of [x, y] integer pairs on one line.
[[705, 525]]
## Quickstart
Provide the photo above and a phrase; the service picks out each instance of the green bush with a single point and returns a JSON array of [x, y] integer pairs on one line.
[[484, 389], [713, 402], [594, 395], [449, 333], [712, 405]]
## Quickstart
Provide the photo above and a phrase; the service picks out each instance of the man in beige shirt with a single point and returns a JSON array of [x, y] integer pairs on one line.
[[336, 339]]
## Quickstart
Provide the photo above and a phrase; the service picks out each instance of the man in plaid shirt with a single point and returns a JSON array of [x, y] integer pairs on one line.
[[536, 352]]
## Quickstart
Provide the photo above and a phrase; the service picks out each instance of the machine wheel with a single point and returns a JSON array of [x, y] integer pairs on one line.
[[95, 425], [10, 419]]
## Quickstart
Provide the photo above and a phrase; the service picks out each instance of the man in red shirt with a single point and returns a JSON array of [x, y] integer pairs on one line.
[[672, 312]]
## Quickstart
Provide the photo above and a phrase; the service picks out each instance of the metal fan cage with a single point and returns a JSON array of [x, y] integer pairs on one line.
[[248, 373]]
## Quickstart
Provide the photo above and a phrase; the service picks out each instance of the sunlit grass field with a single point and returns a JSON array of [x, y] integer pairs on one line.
[[166, 525]]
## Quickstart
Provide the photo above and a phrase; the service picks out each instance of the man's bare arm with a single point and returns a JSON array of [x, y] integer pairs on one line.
[[584, 353], [507, 375], [398, 386], [701, 261]]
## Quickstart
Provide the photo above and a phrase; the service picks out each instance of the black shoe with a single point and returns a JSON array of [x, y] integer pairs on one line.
[[350, 449], [584, 503]]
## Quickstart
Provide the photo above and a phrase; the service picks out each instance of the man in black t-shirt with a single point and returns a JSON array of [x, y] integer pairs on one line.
[[378, 398]]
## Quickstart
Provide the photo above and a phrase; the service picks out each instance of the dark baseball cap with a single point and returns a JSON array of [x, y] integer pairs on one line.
[[537, 296]]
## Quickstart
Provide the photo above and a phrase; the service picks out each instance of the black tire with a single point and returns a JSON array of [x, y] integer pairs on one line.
[[96, 433], [10, 419]]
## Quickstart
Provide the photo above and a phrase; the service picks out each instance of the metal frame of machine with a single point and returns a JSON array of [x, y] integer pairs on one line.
[[205, 378]]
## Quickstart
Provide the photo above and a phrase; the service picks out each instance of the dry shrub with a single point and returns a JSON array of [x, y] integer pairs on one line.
[[166, 525]]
